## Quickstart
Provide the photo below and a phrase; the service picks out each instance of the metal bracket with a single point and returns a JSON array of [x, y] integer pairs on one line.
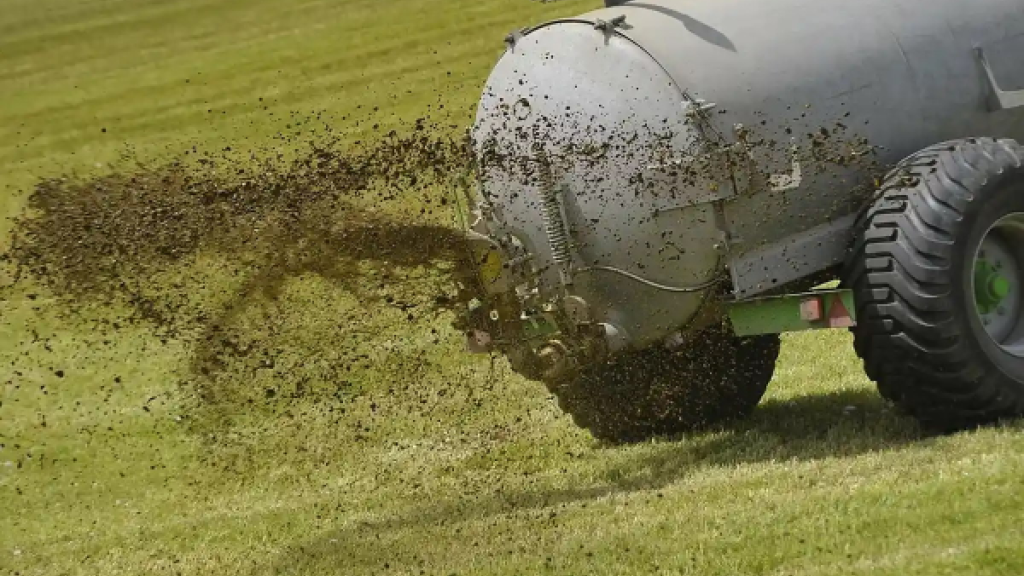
[[689, 180], [513, 37], [999, 99], [696, 108], [791, 181], [793, 258], [749, 179], [608, 26]]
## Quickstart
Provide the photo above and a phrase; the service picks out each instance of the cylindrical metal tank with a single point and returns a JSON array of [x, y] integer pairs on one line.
[[598, 134]]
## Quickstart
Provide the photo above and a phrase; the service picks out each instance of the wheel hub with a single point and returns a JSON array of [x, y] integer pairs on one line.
[[997, 284], [990, 287]]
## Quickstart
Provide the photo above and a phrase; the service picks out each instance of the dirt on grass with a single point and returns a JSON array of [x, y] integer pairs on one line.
[[201, 249]]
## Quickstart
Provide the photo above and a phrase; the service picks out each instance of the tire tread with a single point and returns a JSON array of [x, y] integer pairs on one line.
[[900, 270]]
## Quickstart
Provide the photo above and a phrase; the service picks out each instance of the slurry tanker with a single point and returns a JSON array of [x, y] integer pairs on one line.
[[665, 186]]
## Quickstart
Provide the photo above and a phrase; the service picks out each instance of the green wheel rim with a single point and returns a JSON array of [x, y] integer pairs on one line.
[[997, 283]]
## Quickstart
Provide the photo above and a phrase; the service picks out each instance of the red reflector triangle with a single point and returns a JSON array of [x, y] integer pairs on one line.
[[838, 315]]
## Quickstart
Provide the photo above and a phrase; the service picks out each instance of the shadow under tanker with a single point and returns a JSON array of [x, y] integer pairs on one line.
[[838, 424]]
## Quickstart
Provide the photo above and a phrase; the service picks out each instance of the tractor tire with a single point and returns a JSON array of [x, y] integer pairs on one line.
[[935, 270], [652, 392]]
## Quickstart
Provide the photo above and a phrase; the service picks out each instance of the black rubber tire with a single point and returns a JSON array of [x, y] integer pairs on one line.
[[918, 333], [653, 392]]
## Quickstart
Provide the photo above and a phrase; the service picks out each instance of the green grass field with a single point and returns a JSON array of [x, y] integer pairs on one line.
[[432, 462]]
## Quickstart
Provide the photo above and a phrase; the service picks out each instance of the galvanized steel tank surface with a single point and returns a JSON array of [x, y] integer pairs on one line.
[[823, 94]]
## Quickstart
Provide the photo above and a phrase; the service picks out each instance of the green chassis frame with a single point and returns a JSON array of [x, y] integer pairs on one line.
[[815, 310]]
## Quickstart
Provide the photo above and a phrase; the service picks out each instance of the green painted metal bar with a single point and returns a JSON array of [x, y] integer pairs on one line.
[[815, 310]]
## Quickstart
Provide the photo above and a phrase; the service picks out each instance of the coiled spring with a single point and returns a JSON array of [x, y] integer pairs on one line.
[[554, 224]]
